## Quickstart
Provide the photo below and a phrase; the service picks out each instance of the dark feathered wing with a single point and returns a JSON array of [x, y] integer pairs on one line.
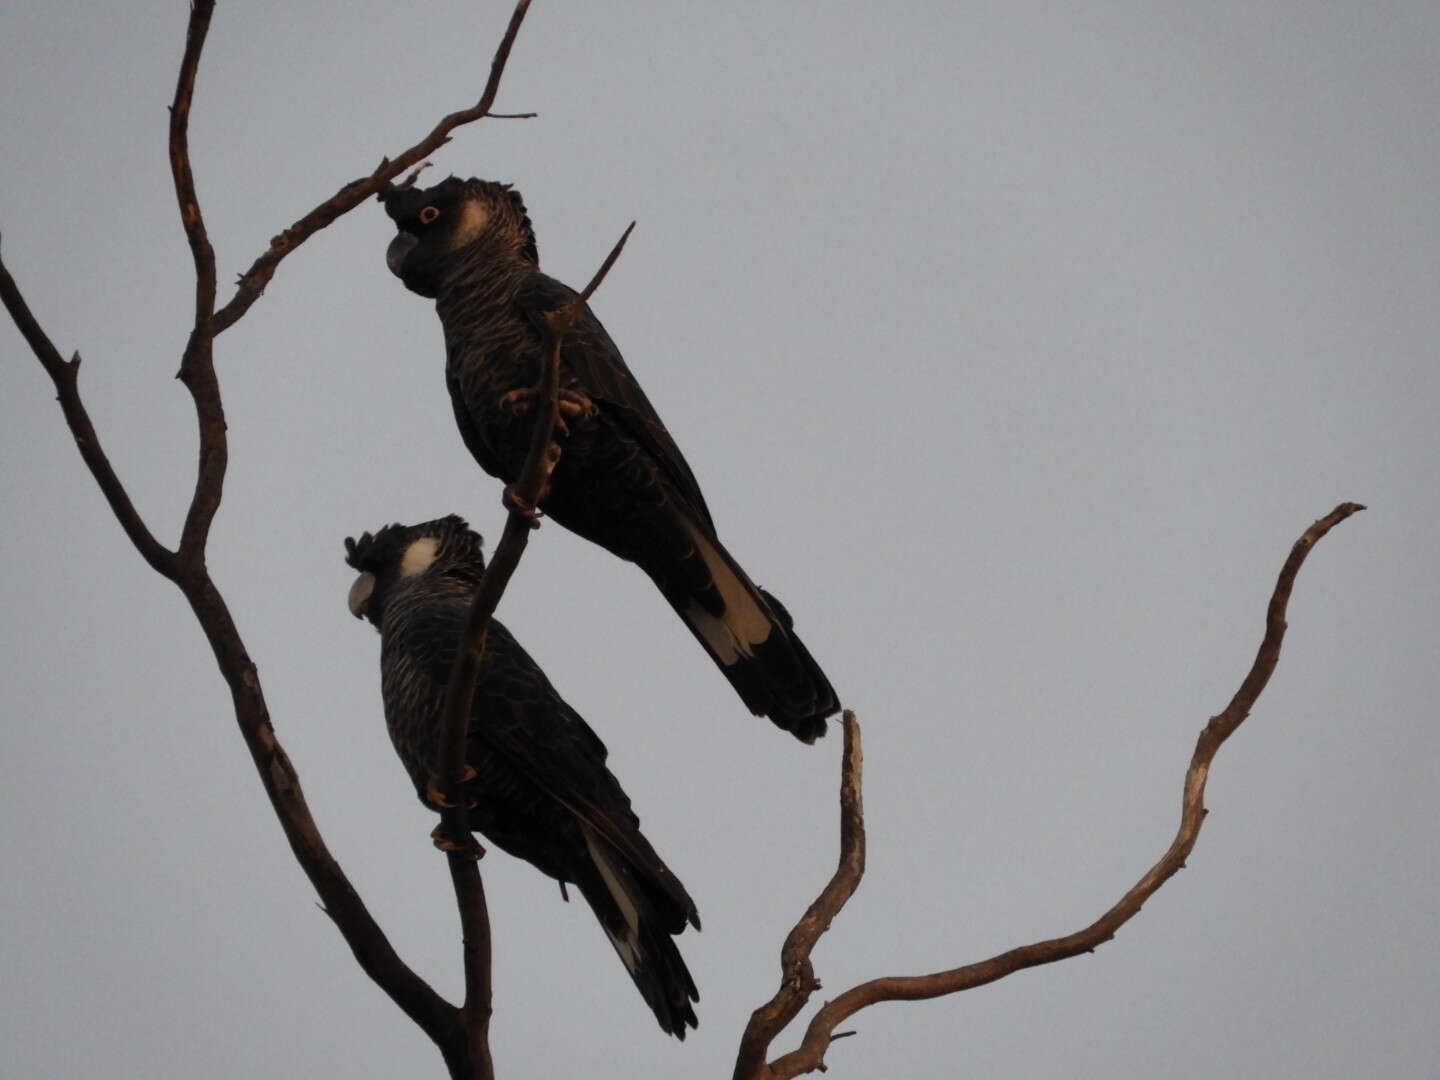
[[543, 793], [596, 367], [625, 485], [471, 435]]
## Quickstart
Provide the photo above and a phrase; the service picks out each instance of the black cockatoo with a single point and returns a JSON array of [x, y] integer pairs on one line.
[[540, 787], [621, 481]]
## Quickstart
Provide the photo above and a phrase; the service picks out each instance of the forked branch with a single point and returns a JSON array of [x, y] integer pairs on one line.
[[443, 1022], [798, 976]]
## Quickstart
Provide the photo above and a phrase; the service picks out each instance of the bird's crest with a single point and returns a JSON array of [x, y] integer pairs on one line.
[[455, 540]]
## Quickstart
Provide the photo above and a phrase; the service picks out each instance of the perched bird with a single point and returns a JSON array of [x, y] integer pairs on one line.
[[621, 481], [540, 788]]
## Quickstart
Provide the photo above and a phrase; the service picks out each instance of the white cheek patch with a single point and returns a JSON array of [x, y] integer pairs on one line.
[[418, 556], [473, 219]]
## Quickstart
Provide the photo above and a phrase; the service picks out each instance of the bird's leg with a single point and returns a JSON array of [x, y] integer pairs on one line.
[[572, 404], [465, 843], [531, 512], [436, 797]]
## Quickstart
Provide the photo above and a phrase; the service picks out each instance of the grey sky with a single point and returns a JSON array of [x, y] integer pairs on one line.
[[1013, 345]]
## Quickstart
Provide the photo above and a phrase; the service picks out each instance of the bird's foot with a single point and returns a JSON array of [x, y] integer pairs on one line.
[[511, 500], [464, 844], [570, 403], [436, 797]]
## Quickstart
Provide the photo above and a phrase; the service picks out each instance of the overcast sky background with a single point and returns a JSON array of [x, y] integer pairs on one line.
[[1013, 344]]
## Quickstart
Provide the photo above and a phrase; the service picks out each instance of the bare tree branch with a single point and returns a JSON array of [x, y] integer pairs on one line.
[[65, 375], [252, 283], [797, 975], [475, 953], [190, 216], [463, 1044], [810, 1056], [197, 365]]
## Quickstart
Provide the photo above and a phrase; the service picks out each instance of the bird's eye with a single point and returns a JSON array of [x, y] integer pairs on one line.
[[429, 214]]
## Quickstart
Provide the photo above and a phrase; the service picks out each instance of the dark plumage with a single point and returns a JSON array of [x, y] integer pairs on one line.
[[541, 788], [621, 481]]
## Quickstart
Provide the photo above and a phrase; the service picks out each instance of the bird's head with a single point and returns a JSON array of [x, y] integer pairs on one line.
[[400, 554], [455, 215]]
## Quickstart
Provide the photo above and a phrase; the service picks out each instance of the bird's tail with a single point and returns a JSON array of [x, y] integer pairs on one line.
[[640, 914], [750, 636]]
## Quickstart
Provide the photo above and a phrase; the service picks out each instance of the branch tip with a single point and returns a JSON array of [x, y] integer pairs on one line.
[[414, 175], [605, 266]]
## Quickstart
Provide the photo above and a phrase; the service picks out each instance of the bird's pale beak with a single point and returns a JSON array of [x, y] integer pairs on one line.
[[360, 594], [399, 248]]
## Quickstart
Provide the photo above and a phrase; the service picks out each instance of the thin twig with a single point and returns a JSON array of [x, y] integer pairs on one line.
[[811, 1054], [252, 283], [475, 943], [190, 216], [65, 375], [197, 365]]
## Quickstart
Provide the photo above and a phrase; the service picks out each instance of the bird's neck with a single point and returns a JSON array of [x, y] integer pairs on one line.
[[482, 276]]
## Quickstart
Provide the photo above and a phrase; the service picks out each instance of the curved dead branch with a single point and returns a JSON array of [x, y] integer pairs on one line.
[[810, 1056], [65, 374], [797, 975]]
